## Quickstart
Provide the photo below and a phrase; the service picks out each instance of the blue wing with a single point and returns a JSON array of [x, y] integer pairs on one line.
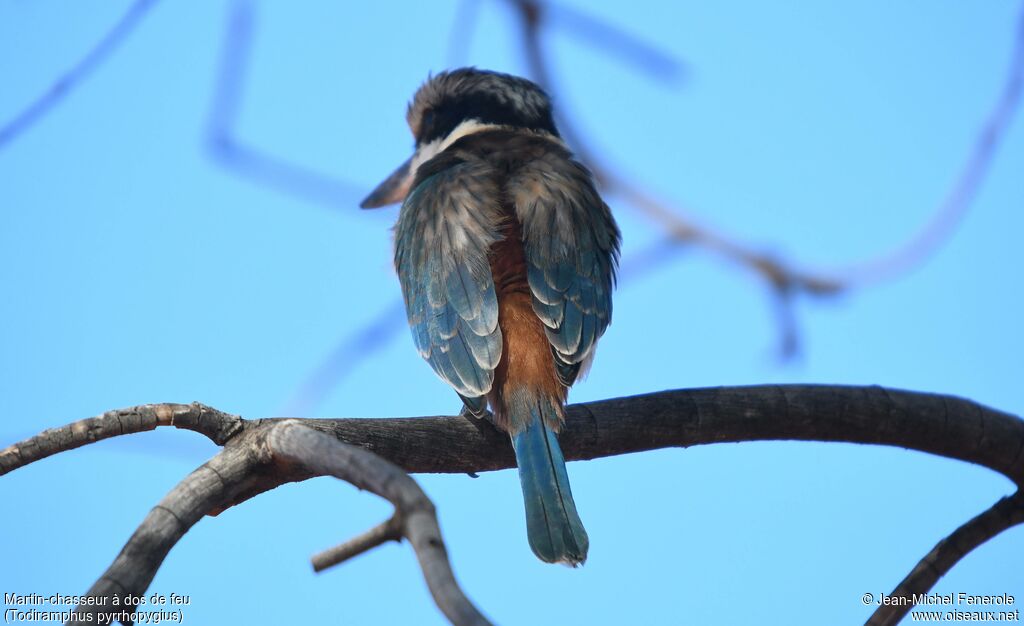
[[572, 246], [445, 229]]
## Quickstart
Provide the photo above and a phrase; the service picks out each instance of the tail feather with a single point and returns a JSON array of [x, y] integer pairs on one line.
[[554, 528]]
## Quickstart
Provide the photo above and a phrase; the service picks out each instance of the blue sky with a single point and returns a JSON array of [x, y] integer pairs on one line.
[[135, 269]]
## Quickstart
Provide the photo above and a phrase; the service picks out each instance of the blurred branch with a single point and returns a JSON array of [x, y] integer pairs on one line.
[[62, 87], [263, 454], [965, 187], [785, 280], [637, 264], [602, 37], [618, 43], [245, 160], [345, 357], [461, 31]]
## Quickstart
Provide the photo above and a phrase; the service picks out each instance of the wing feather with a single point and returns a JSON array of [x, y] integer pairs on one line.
[[572, 246], [444, 232]]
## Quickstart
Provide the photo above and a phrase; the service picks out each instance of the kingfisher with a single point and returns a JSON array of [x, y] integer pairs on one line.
[[507, 256]]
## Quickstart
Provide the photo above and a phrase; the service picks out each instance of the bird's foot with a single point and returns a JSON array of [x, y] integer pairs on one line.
[[468, 411]]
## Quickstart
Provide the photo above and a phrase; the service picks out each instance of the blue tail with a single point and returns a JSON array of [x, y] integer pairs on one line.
[[554, 528]]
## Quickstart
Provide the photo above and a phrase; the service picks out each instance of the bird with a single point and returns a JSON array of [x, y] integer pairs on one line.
[[507, 257]]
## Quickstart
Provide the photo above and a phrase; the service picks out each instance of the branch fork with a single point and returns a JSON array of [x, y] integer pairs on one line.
[[259, 455]]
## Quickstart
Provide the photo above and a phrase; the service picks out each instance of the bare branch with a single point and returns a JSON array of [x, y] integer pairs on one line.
[[262, 454], [70, 79], [942, 425], [205, 491], [1006, 513], [390, 530], [247, 160], [325, 455], [216, 425]]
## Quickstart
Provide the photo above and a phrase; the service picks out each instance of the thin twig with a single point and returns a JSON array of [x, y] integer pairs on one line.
[[63, 86], [390, 530]]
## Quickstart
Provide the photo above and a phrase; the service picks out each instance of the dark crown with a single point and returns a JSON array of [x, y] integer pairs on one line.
[[450, 98]]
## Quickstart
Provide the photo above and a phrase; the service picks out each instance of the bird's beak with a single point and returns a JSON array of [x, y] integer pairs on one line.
[[393, 189]]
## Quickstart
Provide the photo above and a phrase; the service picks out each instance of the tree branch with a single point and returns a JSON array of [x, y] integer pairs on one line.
[[262, 454], [390, 530], [218, 426], [1006, 513], [203, 492], [942, 425], [323, 455]]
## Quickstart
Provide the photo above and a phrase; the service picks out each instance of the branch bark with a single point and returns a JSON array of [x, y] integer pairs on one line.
[[942, 425], [218, 426], [323, 455], [1005, 513], [203, 492], [372, 454]]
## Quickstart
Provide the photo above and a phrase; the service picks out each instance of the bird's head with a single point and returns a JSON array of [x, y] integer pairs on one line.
[[456, 103]]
